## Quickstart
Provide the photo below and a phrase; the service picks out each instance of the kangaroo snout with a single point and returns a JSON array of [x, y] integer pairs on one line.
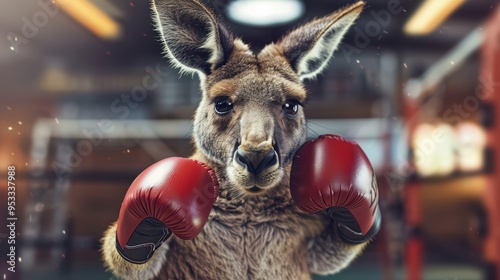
[[256, 166], [255, 161]]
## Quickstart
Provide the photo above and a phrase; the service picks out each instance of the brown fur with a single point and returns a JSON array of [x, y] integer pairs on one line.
[[249, 235]]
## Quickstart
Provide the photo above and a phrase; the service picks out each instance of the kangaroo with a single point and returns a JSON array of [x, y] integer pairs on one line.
[[251, 104]]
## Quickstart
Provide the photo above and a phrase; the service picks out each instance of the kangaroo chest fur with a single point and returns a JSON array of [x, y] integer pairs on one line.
[[247, 238]]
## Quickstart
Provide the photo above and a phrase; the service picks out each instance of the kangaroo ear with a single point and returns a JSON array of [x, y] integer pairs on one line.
[[310, 47], [192, 36]]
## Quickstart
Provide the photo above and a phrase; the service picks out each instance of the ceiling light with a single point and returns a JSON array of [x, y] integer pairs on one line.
[[90, 16], [430, 14], [265, 12]]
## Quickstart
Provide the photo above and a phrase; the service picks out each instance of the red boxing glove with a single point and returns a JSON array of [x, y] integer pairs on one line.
[[174, 195], [334, 174]]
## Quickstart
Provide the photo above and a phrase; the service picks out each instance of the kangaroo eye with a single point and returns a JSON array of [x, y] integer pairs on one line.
[[223, 105], [291, 107]]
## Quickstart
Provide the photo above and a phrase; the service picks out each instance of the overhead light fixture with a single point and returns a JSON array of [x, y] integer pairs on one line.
[[430, 14], [265, 12], [90, 16]]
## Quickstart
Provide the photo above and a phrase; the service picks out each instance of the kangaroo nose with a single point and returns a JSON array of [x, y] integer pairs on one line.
[[255, 161]]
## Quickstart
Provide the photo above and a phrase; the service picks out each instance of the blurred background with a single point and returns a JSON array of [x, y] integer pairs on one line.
[[87, 102]]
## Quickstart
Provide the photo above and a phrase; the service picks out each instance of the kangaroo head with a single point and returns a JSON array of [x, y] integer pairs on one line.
[[250, 121]]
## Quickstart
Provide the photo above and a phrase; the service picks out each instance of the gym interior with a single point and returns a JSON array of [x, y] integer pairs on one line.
[[88, 101]]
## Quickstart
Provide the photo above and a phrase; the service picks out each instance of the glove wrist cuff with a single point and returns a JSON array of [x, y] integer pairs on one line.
[[348, 228], [147, 237]]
